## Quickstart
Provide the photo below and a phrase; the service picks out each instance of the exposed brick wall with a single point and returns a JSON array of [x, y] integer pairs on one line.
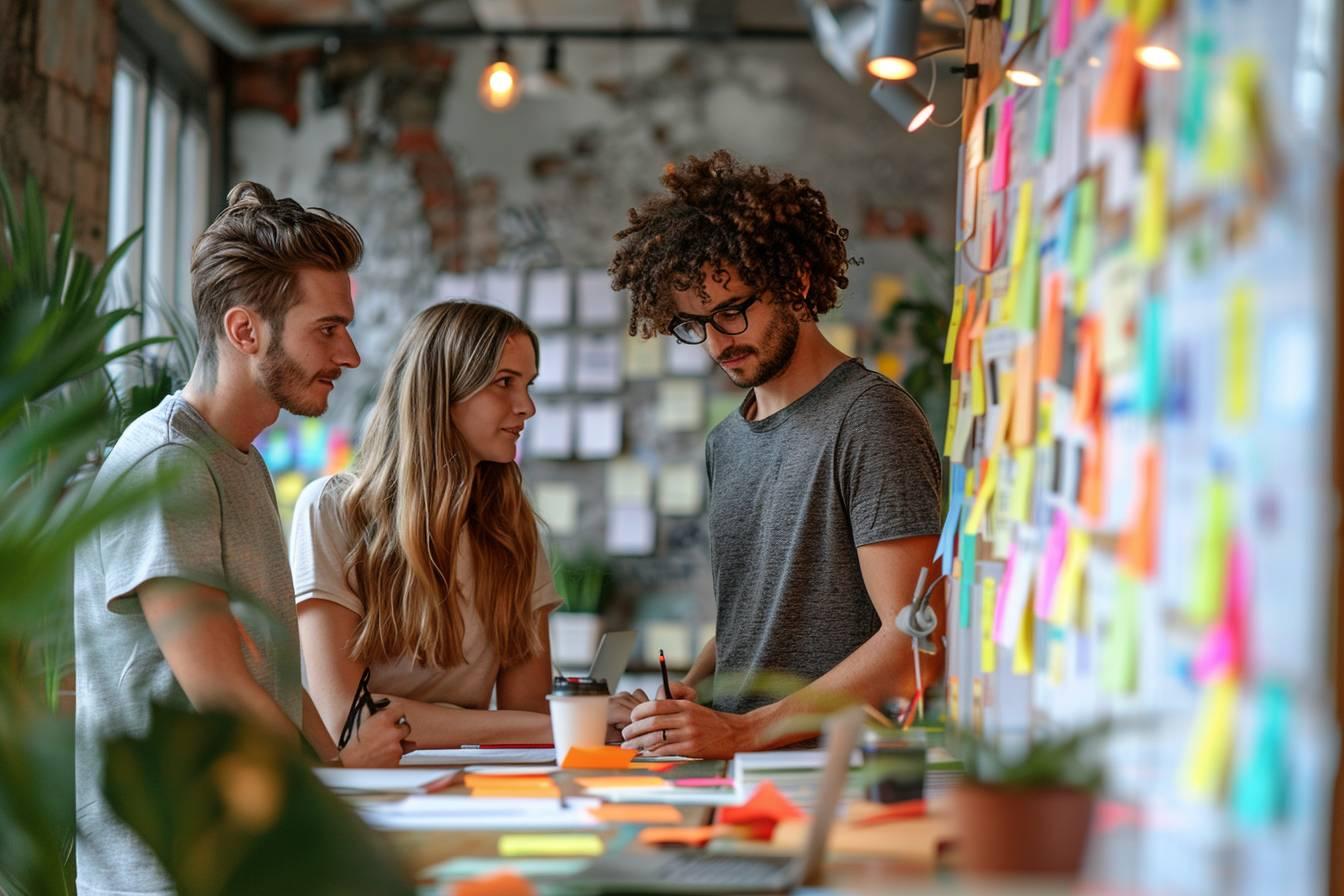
[[57, 59]]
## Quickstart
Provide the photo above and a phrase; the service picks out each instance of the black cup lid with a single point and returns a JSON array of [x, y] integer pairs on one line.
[[579, 687]]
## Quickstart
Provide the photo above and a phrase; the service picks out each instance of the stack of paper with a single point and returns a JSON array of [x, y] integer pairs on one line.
[[462, 813], [479, 756]]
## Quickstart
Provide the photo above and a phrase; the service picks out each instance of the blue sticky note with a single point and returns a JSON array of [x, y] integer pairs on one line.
[[967, 577], [1260, 794], [1149, 399], [312, 445], [278, 450], [956, 501]]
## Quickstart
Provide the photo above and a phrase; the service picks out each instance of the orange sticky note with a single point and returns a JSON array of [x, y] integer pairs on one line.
[[1052, 329], [766, 804], [499, 782], [549, 790], [598, 757], [655, 766], [1137, 545], [1087, 385], [498, 883], [636, 813], [1119, 95], [623, 782], [1023, 428], [1091, 490], [692, 836]]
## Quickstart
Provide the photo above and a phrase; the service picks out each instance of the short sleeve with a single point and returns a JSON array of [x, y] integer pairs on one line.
[[176, 534], [318, 547], [544, 595], [889, 470]]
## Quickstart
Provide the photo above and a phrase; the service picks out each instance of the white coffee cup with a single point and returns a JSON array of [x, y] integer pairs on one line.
[[578, 714]]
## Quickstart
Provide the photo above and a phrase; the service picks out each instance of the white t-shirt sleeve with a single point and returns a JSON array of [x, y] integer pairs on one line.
[[544, 595], [318, 547]]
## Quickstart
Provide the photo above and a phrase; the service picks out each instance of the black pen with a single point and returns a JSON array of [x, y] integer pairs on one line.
[[667, 686]]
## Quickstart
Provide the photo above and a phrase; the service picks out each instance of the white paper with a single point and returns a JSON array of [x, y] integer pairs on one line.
[[548, 303], [558, 506], [456, 286], [599, 427], [630, 531], [681, 404], [685, 359], [1019, 592], [478, 756], [628, 482], [503, 289], [380, 779], [550, 434], [448, 813], [553, 371], [597, 364], [643, 358], [598, 305], [680, 489], [511, 769]]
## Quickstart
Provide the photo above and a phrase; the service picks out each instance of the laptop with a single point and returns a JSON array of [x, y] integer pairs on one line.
[[613, 654], [697, 871]]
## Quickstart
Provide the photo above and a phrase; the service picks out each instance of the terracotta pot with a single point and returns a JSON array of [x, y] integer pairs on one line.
[[1006, 830]]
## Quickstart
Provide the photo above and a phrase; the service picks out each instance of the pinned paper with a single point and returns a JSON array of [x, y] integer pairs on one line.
[[628, 482], [1149, 398], [630, 531], [1150, 223], [597, 303], [598, 429], [558, 506], [1029, 286], [954, 324], [598, 757], [1146, 13], [1023, 650], [636, 813], [643, 358], [1023, 429], [548, 305], [1087, 375], [1210, 567], [1137, 547], [1238, 360], [1091, 488], [1052, 329], [681, 489], [1194, 101], [1061, 27], [1231, 138], [1120, 647], [1210, 748], [1084, 241], [1024, 471], [999, 437], [1118, 97], [1014, 595], [1056, 546], [1045, 124], [953, 405], [1069, 589], [967, 575], [987, 486], [1001, 165], [622, 782], [550, 845], [1022, 227], [952, 524], [978, 403], [680, 405], [1222, 653], [1260, 795], [987, 610], [961, 359]]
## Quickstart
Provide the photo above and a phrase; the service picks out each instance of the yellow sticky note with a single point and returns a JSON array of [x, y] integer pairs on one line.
[[1206, 595], [889, 365], [1080, 296], [1069, 589], [1238, 363], [1045, 413], [1146, 12], [515, 845], [988, 648], [977, 514], [952, 405], [1150, 223], [1210, 747], [954, 325], [623, 782], [1022, 650], [1055, 662], [1022, 227], [1000, 434], [978, 405], [1024, 472]]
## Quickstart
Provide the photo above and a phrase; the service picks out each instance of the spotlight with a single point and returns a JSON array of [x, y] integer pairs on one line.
[[1026, 68], [498, 88], [1157, 52], [904, 103], [892, 57]]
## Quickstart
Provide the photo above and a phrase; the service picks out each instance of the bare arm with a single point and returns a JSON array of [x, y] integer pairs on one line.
[[703, 667], [525, 686]]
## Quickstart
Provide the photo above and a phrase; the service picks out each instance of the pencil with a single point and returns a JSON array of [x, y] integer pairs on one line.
[[667, 685]]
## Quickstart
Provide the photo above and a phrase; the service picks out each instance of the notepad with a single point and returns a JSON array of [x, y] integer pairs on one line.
[[624, 782], [637, 813], [598, 757], [478, 756], [550, 845], [460, 813]]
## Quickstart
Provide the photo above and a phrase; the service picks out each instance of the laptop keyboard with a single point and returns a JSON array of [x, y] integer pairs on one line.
[[699, 868]]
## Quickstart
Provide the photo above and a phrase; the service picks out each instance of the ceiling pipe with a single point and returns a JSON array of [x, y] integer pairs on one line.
[[236, 37]]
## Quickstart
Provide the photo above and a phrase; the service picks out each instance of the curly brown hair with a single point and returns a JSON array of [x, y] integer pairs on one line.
[[773, 228]]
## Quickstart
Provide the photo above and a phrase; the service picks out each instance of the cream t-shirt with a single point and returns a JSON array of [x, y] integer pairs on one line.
[[318, 547]]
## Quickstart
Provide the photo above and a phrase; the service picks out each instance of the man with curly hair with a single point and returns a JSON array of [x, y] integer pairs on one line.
[[824, 484]]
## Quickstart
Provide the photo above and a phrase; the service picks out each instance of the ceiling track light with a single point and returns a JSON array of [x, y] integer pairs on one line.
[[904, 103], [893, 53]]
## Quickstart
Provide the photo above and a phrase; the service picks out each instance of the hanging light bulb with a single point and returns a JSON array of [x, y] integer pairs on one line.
[[892, 57], [498, 88], [904, 103]]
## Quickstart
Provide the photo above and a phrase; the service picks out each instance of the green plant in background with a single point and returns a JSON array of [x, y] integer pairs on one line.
[[1069, 760], [581, 581], [58, 411]]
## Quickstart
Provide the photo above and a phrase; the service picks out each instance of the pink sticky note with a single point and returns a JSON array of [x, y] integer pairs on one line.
[[703, 782], [1003, 147], [1223, 649], [1061, 29], [1009, 568], [1056, 543]]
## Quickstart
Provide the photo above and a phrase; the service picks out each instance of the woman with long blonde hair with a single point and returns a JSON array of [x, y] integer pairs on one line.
[[424, 565]]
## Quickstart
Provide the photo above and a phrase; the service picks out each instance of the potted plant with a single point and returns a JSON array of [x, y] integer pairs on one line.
[[1026, 811], [581, 580]]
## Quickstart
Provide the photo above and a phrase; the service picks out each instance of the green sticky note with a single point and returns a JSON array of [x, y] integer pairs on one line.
[[967, 576], [1211, 553], [511, 845], [1085, 230], [1120, 649], [1260, 795], [1195, 98], [1028, 296], [1045, 125]]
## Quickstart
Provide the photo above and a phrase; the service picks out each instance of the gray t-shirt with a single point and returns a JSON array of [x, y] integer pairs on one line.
[[218, 526], [792, 497]]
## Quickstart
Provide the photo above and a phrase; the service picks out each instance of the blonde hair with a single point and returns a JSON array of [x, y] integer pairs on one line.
[[416, 496], [249, 256]]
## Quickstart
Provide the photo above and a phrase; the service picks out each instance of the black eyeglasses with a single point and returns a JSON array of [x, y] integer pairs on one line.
[[363, 700], [730, 320]]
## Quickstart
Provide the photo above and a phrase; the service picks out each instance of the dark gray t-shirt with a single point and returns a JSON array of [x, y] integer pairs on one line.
[[217, 526], [791, 499]]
